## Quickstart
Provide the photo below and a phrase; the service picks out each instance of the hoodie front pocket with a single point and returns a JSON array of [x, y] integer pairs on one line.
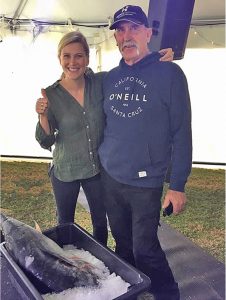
[[158, 154]]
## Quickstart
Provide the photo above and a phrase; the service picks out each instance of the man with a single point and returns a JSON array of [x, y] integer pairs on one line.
[[148, 128]]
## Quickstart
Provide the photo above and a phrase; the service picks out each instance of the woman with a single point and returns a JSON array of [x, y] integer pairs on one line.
[[71, 118]]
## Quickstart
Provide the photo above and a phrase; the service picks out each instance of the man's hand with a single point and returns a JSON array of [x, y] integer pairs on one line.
[[167, 54], [178, 200]]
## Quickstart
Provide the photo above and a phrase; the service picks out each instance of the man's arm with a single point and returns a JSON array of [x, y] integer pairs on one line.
[[180, 126]]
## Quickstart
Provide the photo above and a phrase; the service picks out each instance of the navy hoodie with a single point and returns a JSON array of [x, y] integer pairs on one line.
[[148, 124]]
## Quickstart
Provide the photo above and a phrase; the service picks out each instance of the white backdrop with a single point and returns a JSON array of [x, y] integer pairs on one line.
[[26, 67]]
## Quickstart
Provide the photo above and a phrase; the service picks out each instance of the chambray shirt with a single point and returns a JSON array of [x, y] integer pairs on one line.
[[76, 131]]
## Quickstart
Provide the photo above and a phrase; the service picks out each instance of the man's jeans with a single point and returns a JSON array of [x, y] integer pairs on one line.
[[134, 214], [66, 194]]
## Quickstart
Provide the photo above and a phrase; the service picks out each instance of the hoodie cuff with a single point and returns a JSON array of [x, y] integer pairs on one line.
[[177, 186]]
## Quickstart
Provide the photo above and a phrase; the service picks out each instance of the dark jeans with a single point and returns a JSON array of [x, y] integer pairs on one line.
[[66, 195], [134, 214]]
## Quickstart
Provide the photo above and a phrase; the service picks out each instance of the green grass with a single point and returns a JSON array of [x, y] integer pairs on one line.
[[26, 195], [203, 221]]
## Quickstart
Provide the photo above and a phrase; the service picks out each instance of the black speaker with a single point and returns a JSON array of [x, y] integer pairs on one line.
[[170, 21]]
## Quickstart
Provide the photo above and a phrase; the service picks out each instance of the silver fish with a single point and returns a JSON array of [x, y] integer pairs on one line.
[[44, 259]]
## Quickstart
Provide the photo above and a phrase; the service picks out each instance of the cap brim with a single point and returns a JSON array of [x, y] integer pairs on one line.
[[116, 23]]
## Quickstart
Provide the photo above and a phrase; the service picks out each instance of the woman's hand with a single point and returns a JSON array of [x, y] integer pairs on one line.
[[167, 54], [42, 104], [42, 110]]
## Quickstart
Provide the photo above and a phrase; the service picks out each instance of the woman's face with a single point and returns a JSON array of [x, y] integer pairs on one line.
[[74, 61]]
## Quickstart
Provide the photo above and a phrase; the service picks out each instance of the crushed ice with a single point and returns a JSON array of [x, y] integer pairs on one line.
[[111, 285], [28, 260]]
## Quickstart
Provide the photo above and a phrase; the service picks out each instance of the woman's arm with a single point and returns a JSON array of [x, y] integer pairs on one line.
[[45, 133]]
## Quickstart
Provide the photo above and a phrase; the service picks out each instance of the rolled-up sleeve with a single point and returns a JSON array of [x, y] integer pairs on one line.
[[45, 140]]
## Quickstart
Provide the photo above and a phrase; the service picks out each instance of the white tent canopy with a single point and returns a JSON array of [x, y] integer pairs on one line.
[[95, 11], [31, 29], [90, 15]]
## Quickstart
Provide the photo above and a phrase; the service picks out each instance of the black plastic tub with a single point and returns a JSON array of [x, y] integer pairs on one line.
[[15, 285], [73, 234]]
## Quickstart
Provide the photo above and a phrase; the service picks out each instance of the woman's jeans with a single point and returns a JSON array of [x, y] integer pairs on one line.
[[66, 195], [134, 214]]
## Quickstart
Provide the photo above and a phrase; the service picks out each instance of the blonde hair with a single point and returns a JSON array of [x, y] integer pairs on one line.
[[73, 37]]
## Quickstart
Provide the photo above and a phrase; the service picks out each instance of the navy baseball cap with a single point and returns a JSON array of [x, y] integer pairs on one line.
[[130, 13]]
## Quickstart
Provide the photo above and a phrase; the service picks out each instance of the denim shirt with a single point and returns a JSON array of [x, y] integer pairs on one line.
[[76, 131]]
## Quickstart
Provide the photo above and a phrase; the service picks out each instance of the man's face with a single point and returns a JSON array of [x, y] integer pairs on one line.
[[132, 41]]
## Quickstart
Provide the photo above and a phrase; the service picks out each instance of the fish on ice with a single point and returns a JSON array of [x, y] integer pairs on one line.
[[45, 259]]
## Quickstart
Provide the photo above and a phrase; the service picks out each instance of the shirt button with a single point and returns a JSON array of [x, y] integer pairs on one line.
[[87, 126], [89, 140], [91, 153], [84, 113]]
